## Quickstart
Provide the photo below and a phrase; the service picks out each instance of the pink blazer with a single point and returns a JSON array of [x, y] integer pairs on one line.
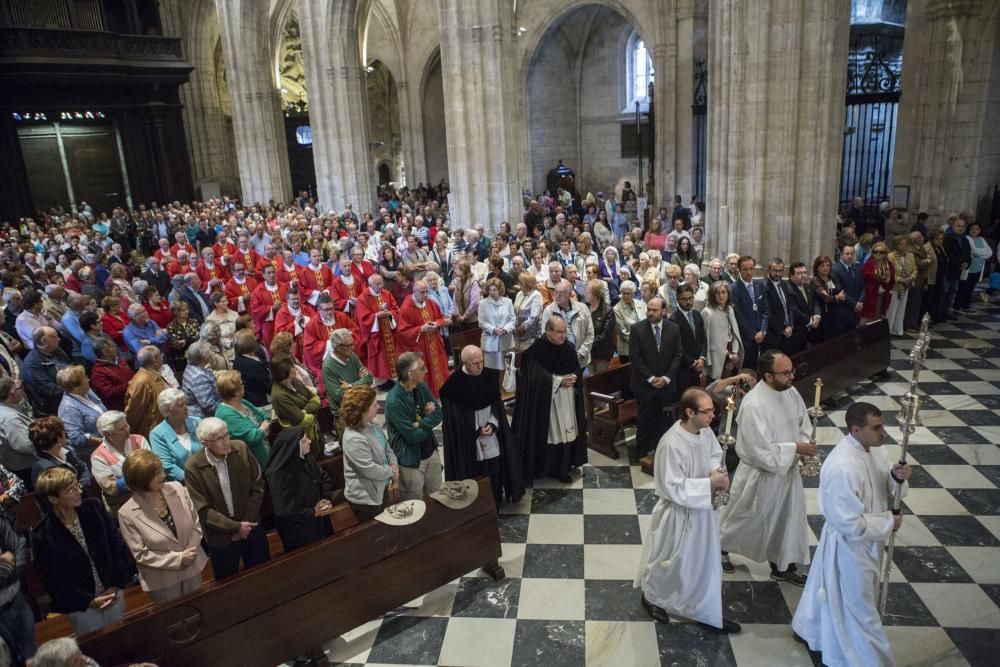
[[155, 549]]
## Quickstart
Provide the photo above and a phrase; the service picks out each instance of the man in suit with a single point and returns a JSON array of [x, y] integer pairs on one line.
[[805, 312], [847, 277], [188, 290], [694, 342], [752, 310], [156, 276], [654, 348], [226, 488], [959, 250], [779, 323]]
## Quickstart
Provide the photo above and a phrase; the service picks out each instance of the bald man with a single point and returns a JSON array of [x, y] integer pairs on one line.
[[477, 438]]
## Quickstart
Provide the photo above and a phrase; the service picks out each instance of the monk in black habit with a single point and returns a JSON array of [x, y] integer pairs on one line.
[[487, 449], [550, 425]]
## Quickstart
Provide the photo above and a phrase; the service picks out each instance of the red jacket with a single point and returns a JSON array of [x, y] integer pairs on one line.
[[110, 380]]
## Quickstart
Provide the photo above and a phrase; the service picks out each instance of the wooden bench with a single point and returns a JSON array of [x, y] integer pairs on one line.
[[607, 410], [459, 339], [299, 601]]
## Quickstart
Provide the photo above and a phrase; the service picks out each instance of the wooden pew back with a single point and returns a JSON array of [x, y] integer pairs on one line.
[[300, 600]]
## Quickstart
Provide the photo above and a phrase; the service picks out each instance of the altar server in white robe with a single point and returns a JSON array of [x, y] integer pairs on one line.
[[766, 515], [684, 534], [837, 614]]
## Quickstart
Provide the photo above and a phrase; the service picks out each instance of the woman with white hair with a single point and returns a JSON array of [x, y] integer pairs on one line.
[[211, 334], [199, 381], [226, 319], [612, 271], [79, 409], [692, 278], [174, 439], [106, 462], [628, 311]]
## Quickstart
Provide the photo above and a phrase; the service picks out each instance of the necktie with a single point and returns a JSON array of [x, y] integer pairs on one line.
[[656, 332], [690, 317], [781, 297]]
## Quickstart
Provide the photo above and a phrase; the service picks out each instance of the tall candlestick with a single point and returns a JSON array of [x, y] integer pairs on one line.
[[819, 390], [731, 409]]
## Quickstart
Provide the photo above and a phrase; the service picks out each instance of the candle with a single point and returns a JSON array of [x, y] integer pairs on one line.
[[731, 409], [819, 390]]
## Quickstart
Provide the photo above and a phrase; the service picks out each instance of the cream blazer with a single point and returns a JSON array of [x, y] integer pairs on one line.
[[155, 549]]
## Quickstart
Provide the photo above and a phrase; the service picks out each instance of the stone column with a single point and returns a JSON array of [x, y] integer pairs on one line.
[[411, 129], [258, 123], [948, 135], [209, 137], [338, 104], [777, 76], [477, 64]]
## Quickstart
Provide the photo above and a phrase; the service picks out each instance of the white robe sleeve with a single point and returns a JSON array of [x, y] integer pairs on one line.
[[845, 512], [754, 443], [680, 487]]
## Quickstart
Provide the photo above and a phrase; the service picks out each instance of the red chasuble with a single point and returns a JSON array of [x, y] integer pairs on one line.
[[217, 272], [235, 292], [285, 321], [314, 280], [342, 293], [316, 336], [380, 347], [250, 258], [429, 344], [261, 302]]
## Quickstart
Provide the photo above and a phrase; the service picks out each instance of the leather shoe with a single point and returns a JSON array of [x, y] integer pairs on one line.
[[656, 613], [728, 627]]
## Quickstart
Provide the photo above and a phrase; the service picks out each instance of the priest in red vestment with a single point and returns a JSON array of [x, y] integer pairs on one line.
[[294, 317], [213, 275], [224, 249], [288, 270], [265, 301], [315, 278], [182, 244], [420, 324], [271, 257], [181, 264], [239, 287], [248, 255], [377, 313], [346, 289], [317, 335]]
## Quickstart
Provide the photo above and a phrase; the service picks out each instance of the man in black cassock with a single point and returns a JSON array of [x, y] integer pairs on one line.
[[550, 425], [477, 438]]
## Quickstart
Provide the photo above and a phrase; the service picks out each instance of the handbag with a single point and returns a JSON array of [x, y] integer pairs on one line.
[[509, 383], [995, 280]]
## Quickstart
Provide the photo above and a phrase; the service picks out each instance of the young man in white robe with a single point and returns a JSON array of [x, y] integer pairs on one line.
[[837, 614], [684, 535], [766, 515]]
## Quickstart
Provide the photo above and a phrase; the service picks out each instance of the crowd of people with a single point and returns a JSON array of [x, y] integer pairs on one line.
[[161, 367]]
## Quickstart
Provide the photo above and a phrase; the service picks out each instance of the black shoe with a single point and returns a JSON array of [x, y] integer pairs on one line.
[[565, 479], [386, 386], [799, 638], [789, 576], [727, 564], [728, 627], [656, 613]]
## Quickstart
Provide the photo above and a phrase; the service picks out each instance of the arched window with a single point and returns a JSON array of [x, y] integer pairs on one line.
[[638, 71]]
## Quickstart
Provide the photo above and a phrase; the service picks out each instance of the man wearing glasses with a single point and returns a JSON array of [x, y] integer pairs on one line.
[[766, 515], [684, 531]]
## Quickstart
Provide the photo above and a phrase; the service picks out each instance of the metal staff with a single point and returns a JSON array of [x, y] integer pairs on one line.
[[909, 420], [721, 496]]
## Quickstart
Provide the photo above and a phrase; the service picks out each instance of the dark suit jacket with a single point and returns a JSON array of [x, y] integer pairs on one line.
[[161, 280], [246, 484], [801, 309], [959, 252], [65, 566], [776, 313], [194, 301], [851, 285], [750, 320], [648, 361], [694, 346]]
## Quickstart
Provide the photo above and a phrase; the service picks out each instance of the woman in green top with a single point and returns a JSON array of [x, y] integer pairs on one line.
[[246, 422], [295, 404]]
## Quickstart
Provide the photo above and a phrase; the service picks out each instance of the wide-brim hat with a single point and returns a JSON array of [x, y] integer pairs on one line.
[[457, 494], [403, 514]]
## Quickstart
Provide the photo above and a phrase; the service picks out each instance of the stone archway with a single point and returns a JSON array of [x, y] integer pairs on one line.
[[580, 60], [432, 109]]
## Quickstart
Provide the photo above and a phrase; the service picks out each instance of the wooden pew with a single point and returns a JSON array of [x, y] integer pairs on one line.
[[460, 339], [844, 361], [608, 412], [299, 601]]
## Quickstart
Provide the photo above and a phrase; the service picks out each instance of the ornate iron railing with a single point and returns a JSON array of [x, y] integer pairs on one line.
[[72, 44]]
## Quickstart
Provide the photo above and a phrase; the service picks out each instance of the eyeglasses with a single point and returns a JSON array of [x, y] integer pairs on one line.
[[879, 252], [705, 411]]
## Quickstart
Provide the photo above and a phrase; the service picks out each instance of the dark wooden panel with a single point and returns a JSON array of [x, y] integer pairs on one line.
[[43, 169], [300, 600], [844, 360], [94, 167]]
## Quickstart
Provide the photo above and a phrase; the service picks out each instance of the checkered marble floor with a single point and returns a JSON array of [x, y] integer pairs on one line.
[[570, 552]]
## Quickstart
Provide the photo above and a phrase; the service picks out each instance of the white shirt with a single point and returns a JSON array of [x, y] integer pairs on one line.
[[222, 469]]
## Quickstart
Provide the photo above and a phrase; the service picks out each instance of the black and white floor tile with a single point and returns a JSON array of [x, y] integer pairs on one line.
[[570, 552]]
